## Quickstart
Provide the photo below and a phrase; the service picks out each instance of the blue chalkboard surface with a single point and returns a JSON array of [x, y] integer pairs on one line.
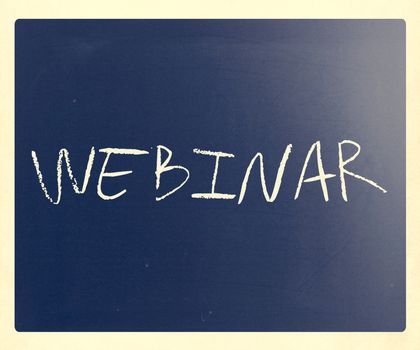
[[210, 175]]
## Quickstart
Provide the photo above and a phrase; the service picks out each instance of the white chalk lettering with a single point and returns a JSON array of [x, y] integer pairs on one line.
[[163, 167], [213, 194], [64, 153], [109, 151], [277, 183], [342, 163], [321, 177]]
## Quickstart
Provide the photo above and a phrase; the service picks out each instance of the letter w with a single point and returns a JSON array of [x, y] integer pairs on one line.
[[64, 153]]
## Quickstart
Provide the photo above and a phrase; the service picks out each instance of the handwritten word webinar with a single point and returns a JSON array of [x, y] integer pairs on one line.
[[164, 167]]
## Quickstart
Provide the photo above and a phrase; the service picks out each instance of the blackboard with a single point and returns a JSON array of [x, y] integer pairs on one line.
[[195, 242]]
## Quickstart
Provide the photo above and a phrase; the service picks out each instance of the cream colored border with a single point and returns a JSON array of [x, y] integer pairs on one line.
[[10, 10]]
